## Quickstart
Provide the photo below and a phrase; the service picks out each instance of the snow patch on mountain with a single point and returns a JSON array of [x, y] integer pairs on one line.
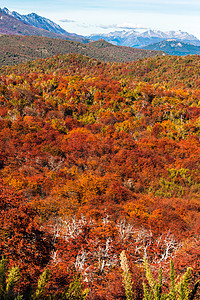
[[136, 39]]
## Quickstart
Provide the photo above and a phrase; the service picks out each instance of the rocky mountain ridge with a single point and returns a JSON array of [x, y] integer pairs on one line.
[[37, 21], [10, 23]]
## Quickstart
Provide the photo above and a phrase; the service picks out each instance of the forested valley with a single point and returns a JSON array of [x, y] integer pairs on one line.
[[99, 179]]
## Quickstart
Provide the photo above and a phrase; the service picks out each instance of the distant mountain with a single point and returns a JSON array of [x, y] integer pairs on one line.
[[10, 23], [38, 21], [139, 40], [18, 49], [174, 47]]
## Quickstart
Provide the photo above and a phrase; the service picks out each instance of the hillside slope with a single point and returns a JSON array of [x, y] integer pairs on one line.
[[174, 47], [18, 49], [169, 71]]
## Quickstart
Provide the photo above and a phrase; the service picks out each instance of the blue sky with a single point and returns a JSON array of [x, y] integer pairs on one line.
[[93, 16]]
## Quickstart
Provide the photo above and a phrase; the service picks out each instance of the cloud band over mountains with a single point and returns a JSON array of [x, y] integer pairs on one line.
[[123, 26]]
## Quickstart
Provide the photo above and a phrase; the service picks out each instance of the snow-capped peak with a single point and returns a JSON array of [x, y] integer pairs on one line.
[[141, 39], [37, 21], [152, 33], [181, 35]]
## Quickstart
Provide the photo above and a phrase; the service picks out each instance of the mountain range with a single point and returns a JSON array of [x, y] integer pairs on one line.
[[141, 39], [13, 23]]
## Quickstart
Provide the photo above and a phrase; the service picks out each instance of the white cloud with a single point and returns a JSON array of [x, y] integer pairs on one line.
[[122, 26], [130, 26], [67, 21]]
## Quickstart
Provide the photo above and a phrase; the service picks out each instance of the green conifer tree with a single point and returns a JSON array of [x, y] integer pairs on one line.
[[179, 287], [126, 277], [75, 291], [155, 291], [13, 278], [8, 283], [41, 285], [2, 278]]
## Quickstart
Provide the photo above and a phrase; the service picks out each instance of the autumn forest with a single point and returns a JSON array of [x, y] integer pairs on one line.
[[99, 179]]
